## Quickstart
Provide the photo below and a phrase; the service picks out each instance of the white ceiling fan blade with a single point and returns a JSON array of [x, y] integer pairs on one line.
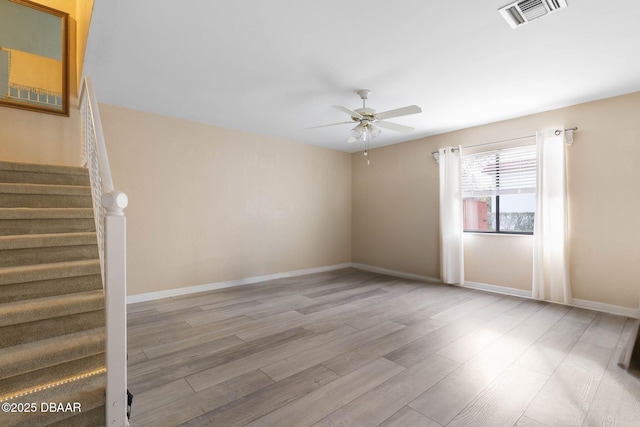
[[404, 111], [352, 139], [349, 112], [332, 124], [395, 127]]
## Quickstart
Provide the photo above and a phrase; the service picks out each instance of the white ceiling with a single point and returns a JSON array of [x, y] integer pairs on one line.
[[276, 67]]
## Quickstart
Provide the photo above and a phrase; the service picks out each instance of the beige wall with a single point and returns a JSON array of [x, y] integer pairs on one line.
[[395, 204], [395, 209], [209, 204], [501, 260], [32, 137]]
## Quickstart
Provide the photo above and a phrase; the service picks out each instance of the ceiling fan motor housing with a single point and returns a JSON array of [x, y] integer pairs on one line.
[[367, 113]]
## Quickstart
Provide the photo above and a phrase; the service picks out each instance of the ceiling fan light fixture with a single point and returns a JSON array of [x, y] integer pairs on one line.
[[357, 133], [374, 131], [364, 132]]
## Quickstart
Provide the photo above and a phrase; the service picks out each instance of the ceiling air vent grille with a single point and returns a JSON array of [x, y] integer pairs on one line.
[[524, 11]]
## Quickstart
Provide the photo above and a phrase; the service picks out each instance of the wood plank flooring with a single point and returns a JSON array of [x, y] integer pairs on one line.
[[353, 348]]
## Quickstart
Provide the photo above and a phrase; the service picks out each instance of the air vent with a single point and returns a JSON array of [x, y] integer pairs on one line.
[[524, 11]]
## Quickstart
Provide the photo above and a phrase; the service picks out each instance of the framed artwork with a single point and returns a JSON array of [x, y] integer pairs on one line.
[[34, 63]]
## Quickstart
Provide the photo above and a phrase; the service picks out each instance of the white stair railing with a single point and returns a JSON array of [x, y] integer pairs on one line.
[[108, 206]]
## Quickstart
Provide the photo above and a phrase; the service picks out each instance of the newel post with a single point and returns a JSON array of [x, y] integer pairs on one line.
[[115, 260]]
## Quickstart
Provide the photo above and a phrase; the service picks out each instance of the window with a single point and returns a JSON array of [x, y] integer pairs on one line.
[[499, 190]]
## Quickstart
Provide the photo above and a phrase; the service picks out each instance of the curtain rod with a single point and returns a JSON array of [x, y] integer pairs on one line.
[[508, 140]]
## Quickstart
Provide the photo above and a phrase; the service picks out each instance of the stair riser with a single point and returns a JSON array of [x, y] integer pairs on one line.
[[43, 178], [47, 288], [94, 417], [34, 331], [24, 275], [26, 241], [44, 201], [49, 308], [56, 351], [59, 372], [88, 392], [32, 256], [9, 227]]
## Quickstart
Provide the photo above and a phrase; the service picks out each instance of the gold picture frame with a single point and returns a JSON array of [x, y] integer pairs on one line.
[[34, 57]]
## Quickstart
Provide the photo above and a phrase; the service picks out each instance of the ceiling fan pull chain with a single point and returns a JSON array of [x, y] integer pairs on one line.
[[366, 152]]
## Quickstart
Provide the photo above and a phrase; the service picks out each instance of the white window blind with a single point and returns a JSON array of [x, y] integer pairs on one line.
[[499, 172]]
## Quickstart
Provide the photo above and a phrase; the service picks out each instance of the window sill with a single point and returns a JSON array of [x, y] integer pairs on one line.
[[478, 233]]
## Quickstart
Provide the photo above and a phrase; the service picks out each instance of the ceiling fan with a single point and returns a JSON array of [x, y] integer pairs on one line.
[[370, 122]]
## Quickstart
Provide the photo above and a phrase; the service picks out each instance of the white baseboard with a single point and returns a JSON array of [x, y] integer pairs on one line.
[[580, 303], [231, 283], [497, 289], [591, 305], [607, 308], [394, 273]]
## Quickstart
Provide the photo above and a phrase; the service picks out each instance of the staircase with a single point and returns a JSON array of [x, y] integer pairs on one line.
[[52, 319]]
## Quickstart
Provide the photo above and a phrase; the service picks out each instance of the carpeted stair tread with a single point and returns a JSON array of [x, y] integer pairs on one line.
[[18, 385], [52, 189], [43, 178], [12, 227], [30, 249], [33, 356], [27, 241], [39, 272], [48, 328], [45, 213], [32, 310], [88, 392], [92, 418], [44, 196], [43, 168], [43, 174], [48, 288]]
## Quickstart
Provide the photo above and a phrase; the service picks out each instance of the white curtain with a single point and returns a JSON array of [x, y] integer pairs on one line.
[[550, 234], [451, 248]]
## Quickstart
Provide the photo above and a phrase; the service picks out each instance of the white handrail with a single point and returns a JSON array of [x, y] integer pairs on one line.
[[108, 205]]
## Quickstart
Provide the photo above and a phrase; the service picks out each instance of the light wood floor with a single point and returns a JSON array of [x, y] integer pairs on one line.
[[352, 348]]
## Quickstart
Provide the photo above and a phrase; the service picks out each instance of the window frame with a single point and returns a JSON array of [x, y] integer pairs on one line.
[[497, 206], [522, 233]]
